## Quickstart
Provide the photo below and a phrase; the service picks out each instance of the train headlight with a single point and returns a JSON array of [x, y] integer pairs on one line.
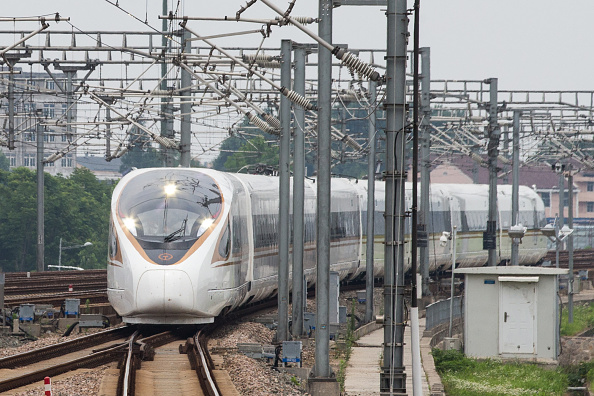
[[206, 223], [130, 225], [170, 189]]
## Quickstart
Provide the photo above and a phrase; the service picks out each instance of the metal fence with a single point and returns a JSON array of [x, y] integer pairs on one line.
[[439, 312]]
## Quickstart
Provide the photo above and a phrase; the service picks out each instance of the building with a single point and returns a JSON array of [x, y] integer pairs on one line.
[[101, 168], [38, 103]]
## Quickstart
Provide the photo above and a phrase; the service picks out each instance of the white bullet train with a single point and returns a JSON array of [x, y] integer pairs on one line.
[[189, 244]]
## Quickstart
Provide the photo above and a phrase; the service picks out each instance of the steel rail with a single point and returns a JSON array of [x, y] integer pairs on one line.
[[128, 370], [201, 362], [94, 297], [26, 358], [139, 348], [90, 361]]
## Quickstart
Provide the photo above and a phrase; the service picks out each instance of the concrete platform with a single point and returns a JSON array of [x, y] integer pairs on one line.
[[363, 372]]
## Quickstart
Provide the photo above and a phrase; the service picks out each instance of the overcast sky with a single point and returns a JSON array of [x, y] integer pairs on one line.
[[527, 44]]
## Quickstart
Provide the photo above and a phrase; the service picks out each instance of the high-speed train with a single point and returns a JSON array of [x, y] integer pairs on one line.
[[189, 244]]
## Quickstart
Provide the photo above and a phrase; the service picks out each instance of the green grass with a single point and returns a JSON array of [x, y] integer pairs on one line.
[[583, 319], [462, 376], [346, 353]]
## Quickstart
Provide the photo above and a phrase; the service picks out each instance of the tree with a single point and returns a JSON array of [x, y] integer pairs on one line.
[[4, 162], [229, 146], [76, 210], [139, 157], [140, 154], [253, 151], [18, 220]]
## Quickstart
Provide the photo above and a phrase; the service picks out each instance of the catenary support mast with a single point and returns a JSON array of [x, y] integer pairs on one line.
[[185, 106], [392, 376], [298, 193], [493, 131], [40, 199], [425, 159], [322, 365], [282, 333], [369, 257], [515, 183]]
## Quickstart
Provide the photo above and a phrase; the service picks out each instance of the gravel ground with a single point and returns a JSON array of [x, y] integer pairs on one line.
[[250, 376], [87, 382], [10, 345], [255, 377]]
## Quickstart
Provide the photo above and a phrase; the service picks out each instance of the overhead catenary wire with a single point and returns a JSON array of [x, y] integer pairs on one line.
[[292, 95], [346, 57], [254, 119]]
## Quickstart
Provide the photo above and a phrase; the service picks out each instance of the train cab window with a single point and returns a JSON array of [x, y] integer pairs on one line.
[[169, 208], [225, 244]]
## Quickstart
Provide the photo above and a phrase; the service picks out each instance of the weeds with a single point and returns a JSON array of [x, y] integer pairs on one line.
[[349, 341], [463, 376], [583, 319]]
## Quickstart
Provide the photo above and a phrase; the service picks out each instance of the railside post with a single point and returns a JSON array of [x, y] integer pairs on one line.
[[322, 360], [425, 158], [515, 183], [185, 106], [369, 256], [559, 222], [570, 243], [282, 332], [69, 92], [11, 145], [392, 375], [40, 199], [493, 134], [165, 110], [298, 193], [108, 134], [561, 199]]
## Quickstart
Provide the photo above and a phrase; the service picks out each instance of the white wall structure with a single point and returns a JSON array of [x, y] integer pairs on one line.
[[511, 312]]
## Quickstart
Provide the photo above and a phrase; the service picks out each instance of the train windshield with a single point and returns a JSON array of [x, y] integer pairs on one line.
[[168, 207]]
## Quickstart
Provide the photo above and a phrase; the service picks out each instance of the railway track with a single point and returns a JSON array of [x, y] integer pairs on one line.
[[17, 283], [56, 299], [151, 360], [84, 352], [53, 287], [582, 259], [171, 368]]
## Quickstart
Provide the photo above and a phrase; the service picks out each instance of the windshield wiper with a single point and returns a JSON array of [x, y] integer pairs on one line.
[[177, 234]]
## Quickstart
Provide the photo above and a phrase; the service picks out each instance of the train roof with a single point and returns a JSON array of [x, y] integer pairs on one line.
[[512, 270]]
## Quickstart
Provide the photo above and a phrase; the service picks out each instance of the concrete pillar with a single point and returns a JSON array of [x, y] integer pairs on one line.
[[40, 199], [298, 195], [186, 107], [282, 332]]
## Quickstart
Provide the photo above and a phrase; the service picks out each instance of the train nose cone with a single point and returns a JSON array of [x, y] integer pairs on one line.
[[165, 291]]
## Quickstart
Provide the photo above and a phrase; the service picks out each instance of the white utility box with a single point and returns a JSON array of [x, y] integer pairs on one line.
[[511, 312]]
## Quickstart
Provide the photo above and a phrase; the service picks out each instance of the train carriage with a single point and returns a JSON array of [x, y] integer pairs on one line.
[[189, 244]]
